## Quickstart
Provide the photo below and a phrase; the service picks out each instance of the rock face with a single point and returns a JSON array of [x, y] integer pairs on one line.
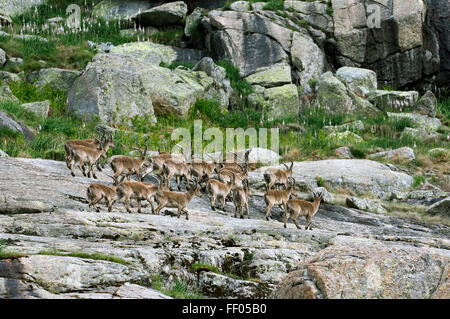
[[111, 87], [368, 270], [252, 256], [393, 49], [6, 94], [129, 81], [365, 204], [440, 208], [360, 176], [39, 108], [405, 154], [393, 101], [117, 9], [358, 80], [427, 105], [168, 13], [438, 18], [57, 79], [252, 41], [422, 121]]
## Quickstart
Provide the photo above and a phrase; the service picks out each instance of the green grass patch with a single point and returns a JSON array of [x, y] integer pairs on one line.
[[179, 289], [199, 267], [95, 256]]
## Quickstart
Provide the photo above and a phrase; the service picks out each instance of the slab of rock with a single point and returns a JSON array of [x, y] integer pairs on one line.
[[38, 108], [364, 269], [393, 101], [162, 244], [276, 75], [7, 94], [3, 154], [400, 154], [332, 93], [282, 101], [57, 79], [117, 9], [358, 80], [156, 53], [307, 57], [240, 6], [423, 134], [365, 204], [237, 37], [7, 77], [440, 208], [360, 176], [168, 13], [427, 105], [422, 121]]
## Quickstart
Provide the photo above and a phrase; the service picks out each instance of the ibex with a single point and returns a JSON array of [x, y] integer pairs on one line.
[[299, 207], [158, 160], [279, 197], [97, 192], [203, 170], [128, 166], [240, 198], [93, 143], [136, 190], [216, 189], [166, 198], [225, 175], [274, 176], [84, 155], [237, 167], [175, 169]]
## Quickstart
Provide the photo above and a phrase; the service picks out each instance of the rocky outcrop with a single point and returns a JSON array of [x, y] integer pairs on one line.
[[129, 81], [438, 20], [8, 123], [403, 154], [6, 94], [421, 121], [365, 204], [57, 79], [427, 105], [67, 251], [393, 101], [117, 9], [353, 269], [39, 108], [168, 13], [360, 176], [359, 80], [440, 208]]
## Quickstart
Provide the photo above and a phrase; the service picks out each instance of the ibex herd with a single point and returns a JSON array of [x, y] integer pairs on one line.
[[231, 183]]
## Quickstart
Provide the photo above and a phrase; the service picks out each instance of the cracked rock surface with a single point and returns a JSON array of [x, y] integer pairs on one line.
[[348, 254]]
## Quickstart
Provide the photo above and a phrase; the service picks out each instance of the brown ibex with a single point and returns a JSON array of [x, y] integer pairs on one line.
[[279, 197], [97, 192], [166, 198], [299, 207], [216, 189], [175, 169], [128, 166], [84, 155], [136, 190], [274, 176], [240, 198]]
